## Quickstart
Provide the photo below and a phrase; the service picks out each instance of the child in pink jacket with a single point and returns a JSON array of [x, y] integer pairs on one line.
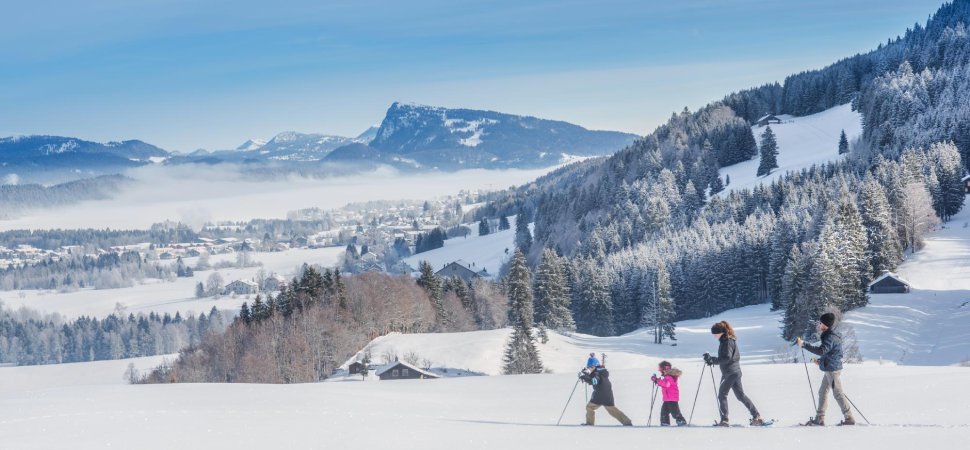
[[671, 394]]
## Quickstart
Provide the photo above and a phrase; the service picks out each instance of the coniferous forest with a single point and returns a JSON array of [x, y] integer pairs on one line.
[[811, 240]]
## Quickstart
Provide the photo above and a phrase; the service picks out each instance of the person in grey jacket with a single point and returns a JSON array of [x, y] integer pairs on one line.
[[830, 362], [729, 358]]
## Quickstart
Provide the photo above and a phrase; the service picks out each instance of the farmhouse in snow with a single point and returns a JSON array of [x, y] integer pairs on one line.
[[400, 370], [768, 119], [241, 287], [889, 283], [462, 270]]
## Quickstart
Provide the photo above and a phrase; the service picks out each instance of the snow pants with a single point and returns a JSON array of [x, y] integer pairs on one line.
[[832, 381], [671, 409], [614, 411], [729, 382]]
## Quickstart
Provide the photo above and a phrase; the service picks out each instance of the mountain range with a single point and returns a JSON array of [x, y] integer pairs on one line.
[[411, 137]]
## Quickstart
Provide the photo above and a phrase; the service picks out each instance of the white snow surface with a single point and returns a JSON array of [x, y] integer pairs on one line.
[[487, 252], [87, 406], [931, 324], [802, 142]]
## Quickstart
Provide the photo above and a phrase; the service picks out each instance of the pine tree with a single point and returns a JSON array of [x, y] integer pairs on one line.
[[483, 229], [717, 185], [665, 317], [432, 285], [769, 152], [199, 290], [521, 354], [244, 314], [883, 249], [552, 297], [503, 223], [843, 143], [595, 308], [523, 237]]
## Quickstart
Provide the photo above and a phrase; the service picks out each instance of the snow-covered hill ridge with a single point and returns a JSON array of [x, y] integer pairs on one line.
[[802, 142]]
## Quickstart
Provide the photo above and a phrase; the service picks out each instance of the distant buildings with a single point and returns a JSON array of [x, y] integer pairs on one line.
[[889, 283], [768, 119], [401, 370], [241, 287], [461, 269]]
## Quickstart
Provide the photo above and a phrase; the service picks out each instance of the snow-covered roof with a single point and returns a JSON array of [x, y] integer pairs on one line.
[[965, 178], [406, 366], [768, 116], [888, 275]]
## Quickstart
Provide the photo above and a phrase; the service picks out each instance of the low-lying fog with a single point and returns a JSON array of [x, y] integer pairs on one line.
[[196, 194]]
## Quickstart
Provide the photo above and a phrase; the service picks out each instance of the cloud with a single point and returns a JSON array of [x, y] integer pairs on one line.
[[197, 194]]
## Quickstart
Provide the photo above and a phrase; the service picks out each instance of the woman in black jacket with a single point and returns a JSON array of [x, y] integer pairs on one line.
[[729, 358]]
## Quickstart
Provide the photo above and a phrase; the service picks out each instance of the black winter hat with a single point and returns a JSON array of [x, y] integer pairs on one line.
[[717, 328], [828, 319]]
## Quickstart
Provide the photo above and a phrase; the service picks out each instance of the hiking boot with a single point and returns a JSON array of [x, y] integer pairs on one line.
[[681, 423], [664, 424], [757, 422], [848, 421], [722, 423], [817, 421]]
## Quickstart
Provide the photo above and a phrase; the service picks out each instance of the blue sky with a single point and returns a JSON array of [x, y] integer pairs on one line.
[[187, 74]]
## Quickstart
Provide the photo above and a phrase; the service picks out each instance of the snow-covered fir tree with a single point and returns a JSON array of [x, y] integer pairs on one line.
[[523, 237], [521, 354], [552, 296], [843, 143], [769, 152]]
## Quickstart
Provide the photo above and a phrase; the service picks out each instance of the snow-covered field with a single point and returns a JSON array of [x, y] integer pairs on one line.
[[931, 324], [87, 405], [487, 252], [802, 142], [164, 296]]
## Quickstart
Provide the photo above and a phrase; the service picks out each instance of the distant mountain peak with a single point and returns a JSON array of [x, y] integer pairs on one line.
[[252, 144]]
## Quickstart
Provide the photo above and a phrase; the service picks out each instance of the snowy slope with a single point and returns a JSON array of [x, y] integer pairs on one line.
[[802, 142], [481, 351], [486, 252], [931, 324], [468, 413]]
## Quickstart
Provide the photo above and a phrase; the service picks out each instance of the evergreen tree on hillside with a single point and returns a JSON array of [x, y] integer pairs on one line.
[[843, 144], [521, 354], [432, 285], [483, 228], [552, 297], [883, 250], [658, 309], [503, 223], [717, 185], [523, 237], [594, 306], [769, 152]]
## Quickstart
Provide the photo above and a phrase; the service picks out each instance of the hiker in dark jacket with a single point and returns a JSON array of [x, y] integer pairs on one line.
[[599, 378], [729, 358], [830, 362]]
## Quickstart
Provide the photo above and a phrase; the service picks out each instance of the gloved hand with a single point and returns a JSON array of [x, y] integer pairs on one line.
[[799, 342], [707, 359], [653, 378]]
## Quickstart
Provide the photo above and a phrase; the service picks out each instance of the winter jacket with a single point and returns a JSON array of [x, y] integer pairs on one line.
[[602, 388], [668, 385], [728, 356], [830, 352]]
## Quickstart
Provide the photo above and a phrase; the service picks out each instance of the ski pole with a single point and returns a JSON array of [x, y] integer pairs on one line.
[[717, 403], [653, 399], [810, 388], [857, 408], [696, 393], [567, 403]]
